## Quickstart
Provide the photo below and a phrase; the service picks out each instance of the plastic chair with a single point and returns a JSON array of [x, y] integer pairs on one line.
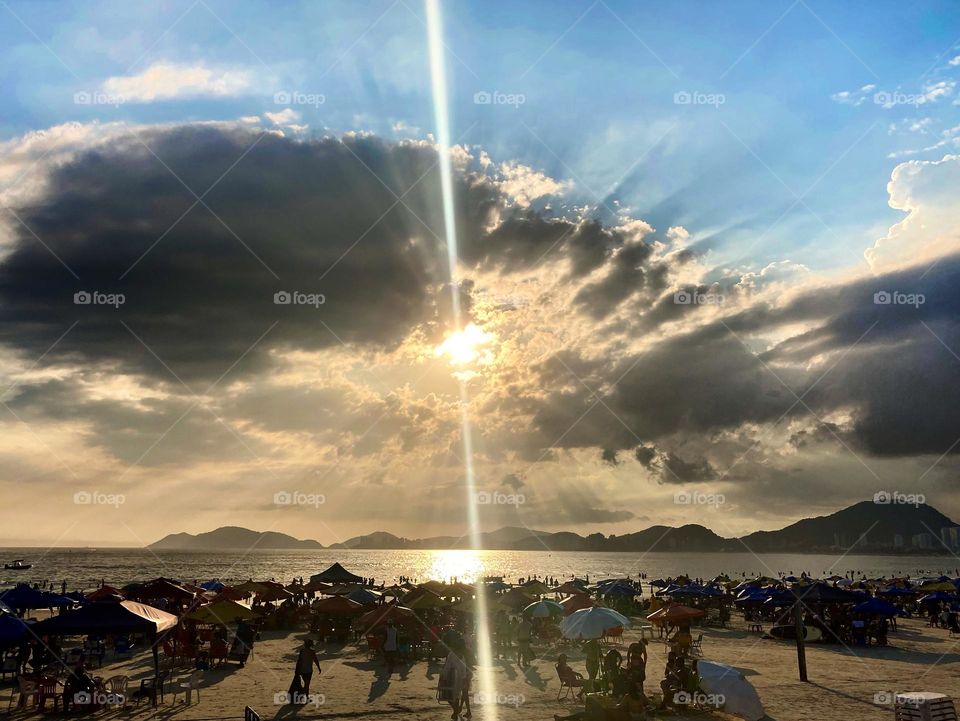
[[374, 644], [48, 691], [117, 685], [150, 687], [26, 688], [188, 687], [696, 645]]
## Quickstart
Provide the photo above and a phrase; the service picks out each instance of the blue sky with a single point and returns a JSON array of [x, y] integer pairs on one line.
[[598, 83], [753, 156]]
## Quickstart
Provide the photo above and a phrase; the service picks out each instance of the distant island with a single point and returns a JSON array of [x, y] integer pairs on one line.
[[865, 527]]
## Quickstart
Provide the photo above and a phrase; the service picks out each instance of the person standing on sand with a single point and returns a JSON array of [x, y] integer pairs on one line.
[[524, 631], [303, 672], [390, 646]]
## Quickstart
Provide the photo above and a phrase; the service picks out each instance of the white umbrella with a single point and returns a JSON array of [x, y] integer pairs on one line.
[[728, 685], [591, 622]]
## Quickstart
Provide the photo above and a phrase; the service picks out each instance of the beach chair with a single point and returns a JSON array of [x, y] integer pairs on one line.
[[567, 685], [9, 666], [613, 636], [25, 689], [696, 645], [150, 688], [122, 648]]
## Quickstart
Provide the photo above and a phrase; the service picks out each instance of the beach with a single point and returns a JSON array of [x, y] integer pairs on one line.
[[842, 685]]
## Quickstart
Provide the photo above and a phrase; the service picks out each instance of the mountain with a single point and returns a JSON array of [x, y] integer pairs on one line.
[[231, 537], [867, 527]]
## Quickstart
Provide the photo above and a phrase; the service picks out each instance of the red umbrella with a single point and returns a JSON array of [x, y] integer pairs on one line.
[[576, 602], [675, 614], [337, 606]]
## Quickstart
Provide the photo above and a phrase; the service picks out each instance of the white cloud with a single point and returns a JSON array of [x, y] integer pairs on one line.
[[955, 61], [284, 117], [524, 184], [165, 81], [853, 97]]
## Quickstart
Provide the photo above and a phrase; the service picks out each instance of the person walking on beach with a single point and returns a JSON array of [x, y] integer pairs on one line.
[[303, 672], [524, 631], [390, 646]]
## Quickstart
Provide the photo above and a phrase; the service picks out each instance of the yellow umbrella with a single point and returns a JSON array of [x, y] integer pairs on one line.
[[222, 613]]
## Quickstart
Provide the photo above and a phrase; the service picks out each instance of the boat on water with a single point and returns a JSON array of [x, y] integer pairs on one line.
[[17, 565]]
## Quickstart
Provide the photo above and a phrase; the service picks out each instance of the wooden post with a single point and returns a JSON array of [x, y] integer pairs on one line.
[[801, 647]]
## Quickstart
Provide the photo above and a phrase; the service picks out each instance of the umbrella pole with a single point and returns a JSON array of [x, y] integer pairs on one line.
[[801, 644]]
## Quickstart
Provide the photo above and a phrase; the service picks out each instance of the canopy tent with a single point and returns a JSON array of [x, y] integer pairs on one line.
[[336, 574], [24, 597], [739, 696], [222, 613], [591, 622], [123, 617], [337, 606]]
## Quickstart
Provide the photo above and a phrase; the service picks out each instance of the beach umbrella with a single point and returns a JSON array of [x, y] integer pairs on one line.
[[364, 596], [25, 597], [536, 588], [675, 614], [619, 588], [543, 609], [469, 605], [4, 608], [937, 596], [877, 607], [496, 586], [222, 613], [12, 630], [937, 586], [380, 615], [739, 696], [420, 598], [342, 589], [461, 590], [163, 588], [845, 582], [104, 591], [570, 587], [337, 606], [575, 602], [213, 585], [515, 598], [315, 586], [274, 594], [296, 588], [820, 592], [123, 617], [232, 594], [395, 591], [895, 591], [591, 622], [336, 574], [659, 583]]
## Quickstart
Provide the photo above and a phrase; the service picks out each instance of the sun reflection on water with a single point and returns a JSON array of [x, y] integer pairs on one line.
[[465, 565]]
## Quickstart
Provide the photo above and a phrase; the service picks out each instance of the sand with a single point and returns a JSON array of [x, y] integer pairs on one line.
[[843, 685]]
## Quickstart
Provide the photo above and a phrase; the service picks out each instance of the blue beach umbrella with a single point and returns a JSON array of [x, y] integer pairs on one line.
[[877, 607]]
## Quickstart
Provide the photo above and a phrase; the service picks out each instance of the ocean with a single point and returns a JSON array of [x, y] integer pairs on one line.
[[83, 569]]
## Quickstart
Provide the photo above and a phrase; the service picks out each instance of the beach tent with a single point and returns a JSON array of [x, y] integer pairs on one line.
[[739, 696], [336, 574], [12, 630], [575, 602], [222, 613], [592, 622], [337, 606], [543, 609]]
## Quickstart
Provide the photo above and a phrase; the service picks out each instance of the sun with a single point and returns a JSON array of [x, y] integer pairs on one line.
[[466, 346]]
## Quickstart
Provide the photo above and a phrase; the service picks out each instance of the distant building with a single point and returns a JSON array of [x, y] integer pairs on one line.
[[950, 537], [922, 540], [897, 541]]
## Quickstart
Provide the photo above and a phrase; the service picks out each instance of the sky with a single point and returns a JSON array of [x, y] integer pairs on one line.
[[708, 264]]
